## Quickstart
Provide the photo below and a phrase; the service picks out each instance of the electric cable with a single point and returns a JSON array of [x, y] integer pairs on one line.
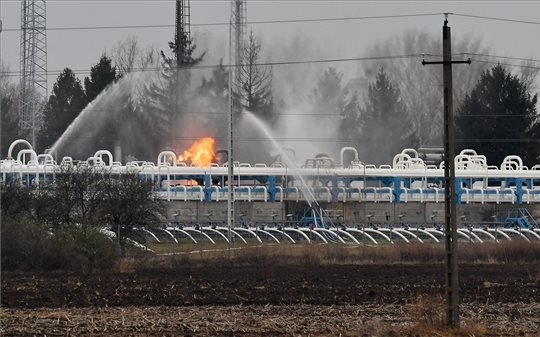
[[213, 66], [227, 23]]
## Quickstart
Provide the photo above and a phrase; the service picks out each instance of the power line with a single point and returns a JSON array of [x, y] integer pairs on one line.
[[291, 114], [279, 63], [498, 57], [208, 24], [353, 18], [506, 64], [331, 60], [496, 18]]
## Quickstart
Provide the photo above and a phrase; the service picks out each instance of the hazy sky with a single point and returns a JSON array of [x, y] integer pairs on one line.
[[79, 49]]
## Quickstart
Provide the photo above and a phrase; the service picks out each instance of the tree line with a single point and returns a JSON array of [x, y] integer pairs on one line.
[[394, 103], [82, 220]]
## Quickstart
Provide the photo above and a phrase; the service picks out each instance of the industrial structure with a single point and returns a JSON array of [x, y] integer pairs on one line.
[[405, 191], [182, 29], [33, 81], [238, 39]]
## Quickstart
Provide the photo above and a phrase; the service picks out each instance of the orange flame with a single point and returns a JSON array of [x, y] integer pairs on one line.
[[200, 154]]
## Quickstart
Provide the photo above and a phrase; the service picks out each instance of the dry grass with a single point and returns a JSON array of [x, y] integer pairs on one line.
[[414, 253]]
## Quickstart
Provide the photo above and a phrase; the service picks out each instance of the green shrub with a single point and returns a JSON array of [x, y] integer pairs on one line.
[[27, 245]]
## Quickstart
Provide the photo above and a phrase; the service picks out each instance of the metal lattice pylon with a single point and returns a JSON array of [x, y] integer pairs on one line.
[[182, 24], [239, 33], [33, 85]]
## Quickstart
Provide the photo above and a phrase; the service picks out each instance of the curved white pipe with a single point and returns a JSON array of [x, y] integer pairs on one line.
[[533, 233], [347, 234], [290, 229], [151, 234], [163, 156], [309, 230], [99, 154], [277, 231], [380, 233], [319, 229], [15, 143], [170, 234], [409, 233], [193, 229], [210, 229], [225, 229], [403, 237], [488, 234], [355, 230], [342, 152], [183, 232], [21, 157], [429, 234], [465, 235], [248, 231], [472, 233], [258, 230], [511, 230]]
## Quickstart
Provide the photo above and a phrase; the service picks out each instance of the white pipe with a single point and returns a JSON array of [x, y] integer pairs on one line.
[[342, 152], [15, 143]]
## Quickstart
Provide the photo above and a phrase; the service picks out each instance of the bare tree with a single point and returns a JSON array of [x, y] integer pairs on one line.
[[128, 55], [255, 81], [529, 74]]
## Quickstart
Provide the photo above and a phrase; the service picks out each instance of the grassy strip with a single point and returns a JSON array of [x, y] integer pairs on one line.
[[516, 251]]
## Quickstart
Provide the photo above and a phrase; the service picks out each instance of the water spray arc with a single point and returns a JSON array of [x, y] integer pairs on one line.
[[33, 81]]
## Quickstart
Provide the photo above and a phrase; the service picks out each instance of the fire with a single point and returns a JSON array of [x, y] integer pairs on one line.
[[201, 153]]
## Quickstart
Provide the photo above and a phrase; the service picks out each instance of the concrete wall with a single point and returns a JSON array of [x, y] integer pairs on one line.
[[349, 213]]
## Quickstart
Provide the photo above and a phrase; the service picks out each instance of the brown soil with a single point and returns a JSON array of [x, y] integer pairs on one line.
[[315, 300]]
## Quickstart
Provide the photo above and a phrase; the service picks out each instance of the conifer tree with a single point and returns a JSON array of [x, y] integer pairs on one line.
[[499, 118], [64, 105], [387, 126]]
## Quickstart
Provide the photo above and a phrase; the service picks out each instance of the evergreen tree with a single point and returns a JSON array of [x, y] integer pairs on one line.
[[64, 105], [350, 123], [166, 97], [9, 127], [499, 118], [387, 125], [328, 96], [331, 99], [101, 75], [216, 89], [213, 94]]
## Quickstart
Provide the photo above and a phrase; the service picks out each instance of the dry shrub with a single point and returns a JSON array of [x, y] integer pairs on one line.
[[428, 310], [125, 265], [474, 330], [428, 314]]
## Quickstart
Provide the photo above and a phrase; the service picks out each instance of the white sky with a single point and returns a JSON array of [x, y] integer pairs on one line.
[[79, 49]]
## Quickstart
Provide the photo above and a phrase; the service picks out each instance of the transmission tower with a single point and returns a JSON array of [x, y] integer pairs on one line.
[[183, 33], [239, 32], [33, 85]]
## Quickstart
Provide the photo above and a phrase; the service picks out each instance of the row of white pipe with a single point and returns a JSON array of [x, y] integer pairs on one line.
[[344, 235]]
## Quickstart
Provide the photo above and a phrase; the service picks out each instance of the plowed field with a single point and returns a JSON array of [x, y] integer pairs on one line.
[[315, 300]]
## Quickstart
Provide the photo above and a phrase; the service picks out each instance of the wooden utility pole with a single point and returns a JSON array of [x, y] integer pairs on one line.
[[451, 270]]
